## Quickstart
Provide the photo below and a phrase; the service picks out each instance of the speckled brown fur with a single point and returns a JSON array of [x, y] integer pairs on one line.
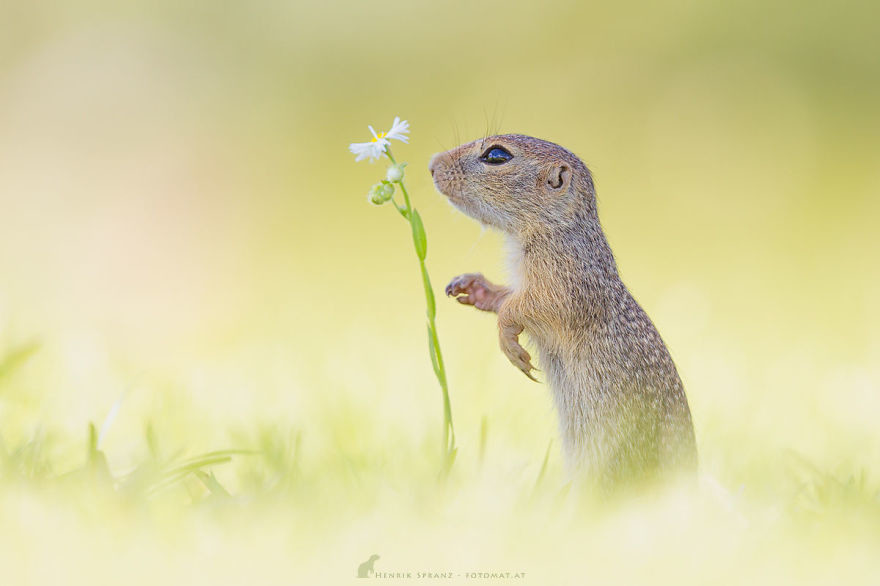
[[623, 414]]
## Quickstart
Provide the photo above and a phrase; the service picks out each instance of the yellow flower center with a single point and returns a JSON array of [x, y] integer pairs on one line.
[[378, 136]]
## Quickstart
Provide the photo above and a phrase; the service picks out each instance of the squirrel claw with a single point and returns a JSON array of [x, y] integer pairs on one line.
[[526, 367], [464, 285]]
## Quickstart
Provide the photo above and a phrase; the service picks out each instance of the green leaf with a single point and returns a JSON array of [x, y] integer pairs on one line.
[[211, 483], [420, 240], [433, 352], [181, 470], [429, 294], [448, 462], [17, 357], [97, 462], [93, 441]]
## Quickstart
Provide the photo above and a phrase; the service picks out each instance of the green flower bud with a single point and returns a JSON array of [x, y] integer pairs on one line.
[[386, 189], [375, 195], [395, 173]]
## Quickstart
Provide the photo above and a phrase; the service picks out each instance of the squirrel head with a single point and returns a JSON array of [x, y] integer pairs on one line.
[[516, 183]]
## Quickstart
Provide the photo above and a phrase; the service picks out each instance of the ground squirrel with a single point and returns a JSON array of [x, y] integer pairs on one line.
[[623, 414]]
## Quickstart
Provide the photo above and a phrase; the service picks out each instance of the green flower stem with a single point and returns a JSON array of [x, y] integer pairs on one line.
[[420, 244], [400, 209]]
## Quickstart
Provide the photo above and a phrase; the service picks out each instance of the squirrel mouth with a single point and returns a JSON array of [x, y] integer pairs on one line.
[[443, 186], [441, 183]]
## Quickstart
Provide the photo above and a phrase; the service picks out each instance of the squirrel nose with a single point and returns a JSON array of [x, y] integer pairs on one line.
[[436, 163]]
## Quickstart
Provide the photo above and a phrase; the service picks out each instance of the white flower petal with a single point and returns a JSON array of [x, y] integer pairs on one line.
[[371, 150], [399, 130]]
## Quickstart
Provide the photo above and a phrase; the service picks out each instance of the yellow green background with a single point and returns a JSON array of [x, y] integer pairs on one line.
[[183, 233]]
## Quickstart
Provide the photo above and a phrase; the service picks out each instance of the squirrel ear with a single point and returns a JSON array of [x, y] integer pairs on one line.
[[559, 177]]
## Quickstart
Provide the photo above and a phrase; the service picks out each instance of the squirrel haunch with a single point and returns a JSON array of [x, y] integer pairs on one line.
[[623, 414]]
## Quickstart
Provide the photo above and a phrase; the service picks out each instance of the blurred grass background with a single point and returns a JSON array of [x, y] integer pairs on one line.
[[183, 233]]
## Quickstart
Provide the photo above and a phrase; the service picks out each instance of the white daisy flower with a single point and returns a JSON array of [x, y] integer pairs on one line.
[[373, 149], [376, 147]]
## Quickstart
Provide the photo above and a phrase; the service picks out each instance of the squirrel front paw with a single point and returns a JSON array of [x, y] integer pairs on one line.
[[518, 356], [474, 289]]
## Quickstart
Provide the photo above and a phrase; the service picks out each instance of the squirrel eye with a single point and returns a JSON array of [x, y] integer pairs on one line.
[[496, 155]]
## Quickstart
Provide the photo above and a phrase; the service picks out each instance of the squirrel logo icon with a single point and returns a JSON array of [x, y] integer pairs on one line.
[[366, 568]]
